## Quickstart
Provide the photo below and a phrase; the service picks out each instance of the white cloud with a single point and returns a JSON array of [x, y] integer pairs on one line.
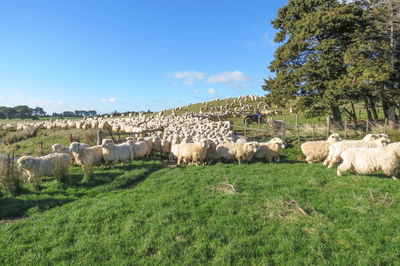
[[211, 91], [19, 94], [234, 78], [196, 92], [189, 76], [109, 100]]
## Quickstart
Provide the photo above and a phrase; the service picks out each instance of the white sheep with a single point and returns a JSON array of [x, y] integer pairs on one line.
[[140, 149], [87, 155], [242, 152], [190, 152], [336, 149], [270, 150], [36, 167], [317, 151], [367, 161], [114, 153]]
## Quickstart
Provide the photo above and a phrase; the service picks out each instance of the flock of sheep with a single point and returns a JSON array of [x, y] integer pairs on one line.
[[372, 153], [204, 151]]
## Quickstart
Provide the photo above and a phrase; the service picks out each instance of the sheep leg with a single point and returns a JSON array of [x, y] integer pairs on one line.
[[394, 178], [179, 160]]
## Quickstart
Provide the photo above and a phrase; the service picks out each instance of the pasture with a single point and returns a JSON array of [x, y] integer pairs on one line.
[[287, 212], [152, 212]]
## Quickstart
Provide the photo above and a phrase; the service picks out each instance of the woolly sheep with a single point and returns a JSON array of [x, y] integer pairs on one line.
[[367, 161], [140, 149], [242, 152], [36, 167], [84, 155], [113, 153], [190, 152], [336, 149], [270, 150], [317, 151]]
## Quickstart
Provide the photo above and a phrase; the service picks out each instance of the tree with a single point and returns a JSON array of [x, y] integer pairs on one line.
[[373, 58], [309, 66], [23, 111]]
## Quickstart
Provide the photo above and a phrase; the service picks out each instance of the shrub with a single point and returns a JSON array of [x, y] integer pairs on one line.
[[10, 177], [91, 138]]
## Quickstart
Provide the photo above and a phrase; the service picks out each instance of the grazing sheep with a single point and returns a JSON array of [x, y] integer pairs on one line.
[[114, 153], [190, 152], [140, 149], [336, 149], [36, 167], [270, 150], [83, 154], [317, 151], [242, 152], [367, 161]]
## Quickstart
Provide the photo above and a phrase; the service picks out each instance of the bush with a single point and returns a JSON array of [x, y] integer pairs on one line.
[[10, 177]]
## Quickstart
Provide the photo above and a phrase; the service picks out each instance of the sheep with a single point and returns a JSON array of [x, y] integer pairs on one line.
[[242, 152], [336, 149], [113, 153], [211, 150], [190, 152], [83, 154], [59, 148], [36, 167], [270, 150], [367, 161], [372, 137], [140, 149], [317, 151]]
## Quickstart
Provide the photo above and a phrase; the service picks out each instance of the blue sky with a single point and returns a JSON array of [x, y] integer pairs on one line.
[[132, 55]]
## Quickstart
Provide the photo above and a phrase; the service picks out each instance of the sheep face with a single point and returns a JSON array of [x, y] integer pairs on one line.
[[56, 148], [25, 163], [251, 147], [279, 142], [383, 142], [107, 143], [334, 138]]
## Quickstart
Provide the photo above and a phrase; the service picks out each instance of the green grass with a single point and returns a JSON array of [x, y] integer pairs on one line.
[[178, 216]]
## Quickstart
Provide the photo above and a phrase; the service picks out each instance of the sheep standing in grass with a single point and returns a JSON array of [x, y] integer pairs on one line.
[[113, 153], [59, 148], [36, 167], [317, 151], [140, 149], [190, 152], [367, 161], [270, 150], [87, 155], [242, 152], [336, 149]]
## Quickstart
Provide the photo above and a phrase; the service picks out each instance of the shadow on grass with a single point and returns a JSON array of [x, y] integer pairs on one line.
[[102, 182], [13, 207]]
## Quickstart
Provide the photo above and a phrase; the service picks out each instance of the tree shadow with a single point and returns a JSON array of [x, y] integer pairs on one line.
[[13, 207]]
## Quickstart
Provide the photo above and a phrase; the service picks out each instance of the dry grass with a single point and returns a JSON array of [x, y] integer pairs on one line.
[[88, 168], [61, 172], [10, 177]]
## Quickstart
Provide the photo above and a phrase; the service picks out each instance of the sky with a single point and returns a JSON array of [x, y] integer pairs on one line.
[[128, 55]]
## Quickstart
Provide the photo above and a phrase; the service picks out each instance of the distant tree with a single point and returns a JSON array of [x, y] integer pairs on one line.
[[23, 111]]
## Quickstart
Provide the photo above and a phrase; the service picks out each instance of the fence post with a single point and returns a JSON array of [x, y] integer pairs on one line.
[[297, 120], [366, 127], [245, 128], [41, 152], [99, 137], [298, 132], [258, 123], [313, 132], [328, 128], [345, 129], [384, 128]]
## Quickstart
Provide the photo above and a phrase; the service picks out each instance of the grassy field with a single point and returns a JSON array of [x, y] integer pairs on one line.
[[281, 213]]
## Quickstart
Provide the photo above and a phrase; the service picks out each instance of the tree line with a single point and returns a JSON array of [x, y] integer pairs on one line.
[[335, 55], [24, 112]]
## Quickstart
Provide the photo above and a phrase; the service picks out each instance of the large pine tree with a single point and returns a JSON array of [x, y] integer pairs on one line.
[[309, 66]]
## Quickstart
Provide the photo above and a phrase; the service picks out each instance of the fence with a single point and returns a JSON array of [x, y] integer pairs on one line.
[[313, 130]]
